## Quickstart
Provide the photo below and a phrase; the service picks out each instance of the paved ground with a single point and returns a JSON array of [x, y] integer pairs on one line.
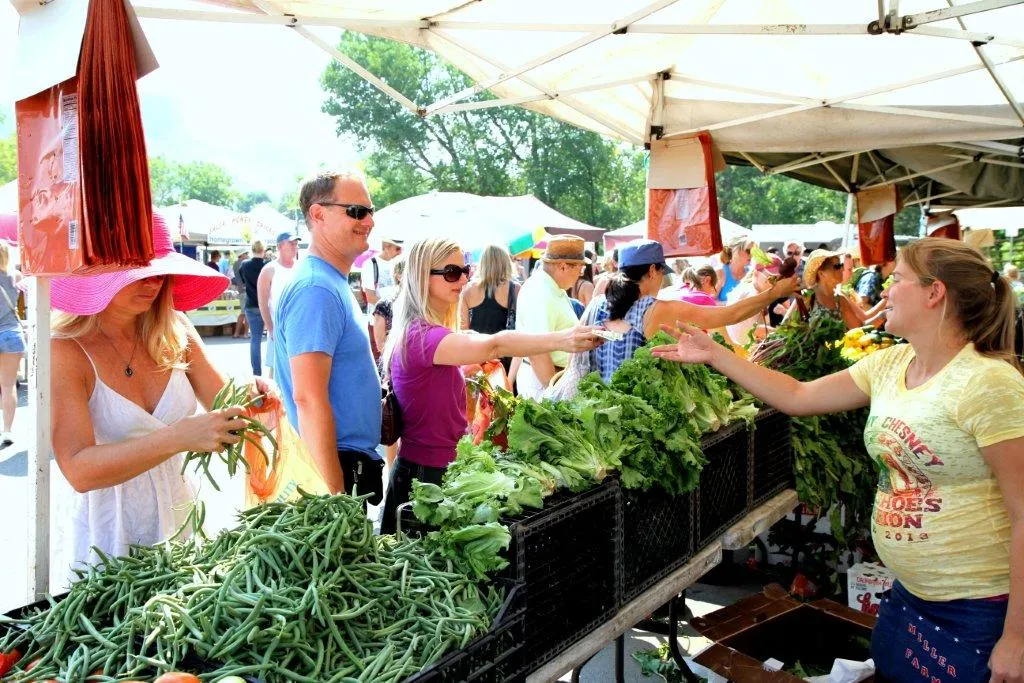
[[232, 356]]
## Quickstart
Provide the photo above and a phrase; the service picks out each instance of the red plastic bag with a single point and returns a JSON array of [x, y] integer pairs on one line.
[[682, 203], [877, 241]]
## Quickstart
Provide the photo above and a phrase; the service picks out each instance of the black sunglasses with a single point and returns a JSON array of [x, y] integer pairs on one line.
[[793, 253], [356, 211], [451, 272], [837, 266]]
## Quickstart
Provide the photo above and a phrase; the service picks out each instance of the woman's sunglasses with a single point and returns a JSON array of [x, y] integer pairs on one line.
[[835, 266], [451, 272], [356, 211]]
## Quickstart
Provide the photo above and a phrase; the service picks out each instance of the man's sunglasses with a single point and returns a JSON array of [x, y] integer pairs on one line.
[[451, 272], [356, 211], [793, 253]]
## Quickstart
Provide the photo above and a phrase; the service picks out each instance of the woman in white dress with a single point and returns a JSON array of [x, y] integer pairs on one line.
[[129, 371]]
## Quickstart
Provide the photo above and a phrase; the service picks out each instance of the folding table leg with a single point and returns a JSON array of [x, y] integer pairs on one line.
[[673, 638]]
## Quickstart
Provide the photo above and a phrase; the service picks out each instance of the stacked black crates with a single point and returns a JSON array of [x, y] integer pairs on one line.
[[567, 558], [657, 537], [772, 455], [724, 493]]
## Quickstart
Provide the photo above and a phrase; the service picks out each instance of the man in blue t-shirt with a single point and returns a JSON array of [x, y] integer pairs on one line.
[[322, 345]]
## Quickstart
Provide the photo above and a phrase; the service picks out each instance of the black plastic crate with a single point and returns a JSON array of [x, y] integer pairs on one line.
[[495, 657], [568, 558], [657, 537], [723, 495], [772, 455]]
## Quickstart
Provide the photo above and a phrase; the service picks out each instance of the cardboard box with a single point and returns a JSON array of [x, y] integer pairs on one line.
[[865, 583], [772, 625]]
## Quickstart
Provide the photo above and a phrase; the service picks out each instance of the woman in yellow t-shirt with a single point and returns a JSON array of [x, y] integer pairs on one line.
[[947, 428]]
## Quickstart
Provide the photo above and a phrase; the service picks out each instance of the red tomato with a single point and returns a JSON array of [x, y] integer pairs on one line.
[[177, 677]]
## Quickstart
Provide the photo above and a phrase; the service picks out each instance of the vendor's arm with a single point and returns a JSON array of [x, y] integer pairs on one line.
[[831, 394], [88, 466], [263, 297], [710, 317], [1007, 462], [465, 349], [311, 374]]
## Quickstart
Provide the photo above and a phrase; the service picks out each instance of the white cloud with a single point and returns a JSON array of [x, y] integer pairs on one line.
[[245, 97]]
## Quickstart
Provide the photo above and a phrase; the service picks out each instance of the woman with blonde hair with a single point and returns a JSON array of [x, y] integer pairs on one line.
[[423, 356], [946, 431], [12, 344], [130, 371], [735, 258]]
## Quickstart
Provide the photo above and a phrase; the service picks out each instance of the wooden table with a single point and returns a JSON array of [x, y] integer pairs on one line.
[[736, 537]]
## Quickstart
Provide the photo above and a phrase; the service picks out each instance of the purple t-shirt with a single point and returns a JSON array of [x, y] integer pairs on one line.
[[432, 398]]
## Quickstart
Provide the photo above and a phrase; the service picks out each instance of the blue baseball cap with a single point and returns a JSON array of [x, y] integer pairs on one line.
[[287, 236], [642, 253]]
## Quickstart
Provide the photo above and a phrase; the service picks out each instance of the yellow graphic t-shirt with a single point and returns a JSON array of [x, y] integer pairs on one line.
[[939, 520]]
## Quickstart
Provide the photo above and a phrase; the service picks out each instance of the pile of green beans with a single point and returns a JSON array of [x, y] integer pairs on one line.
[[298, 592], [234, 396]]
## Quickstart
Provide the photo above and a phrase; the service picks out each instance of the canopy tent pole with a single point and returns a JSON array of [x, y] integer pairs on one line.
[[41, 446], [487, 104], [847, 221], [945, 167], [813, 161]]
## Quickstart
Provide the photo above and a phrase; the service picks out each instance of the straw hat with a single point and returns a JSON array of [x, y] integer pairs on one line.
[[814, 263], [565, 249], [194, 284]]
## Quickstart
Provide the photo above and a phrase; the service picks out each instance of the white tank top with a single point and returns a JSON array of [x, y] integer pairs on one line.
[[282, 277], [143, 510]]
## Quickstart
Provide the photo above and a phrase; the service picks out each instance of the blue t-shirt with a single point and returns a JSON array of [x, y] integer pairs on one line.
[[317, 313]]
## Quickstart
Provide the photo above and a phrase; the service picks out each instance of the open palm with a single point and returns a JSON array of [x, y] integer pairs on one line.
[[692, 346]]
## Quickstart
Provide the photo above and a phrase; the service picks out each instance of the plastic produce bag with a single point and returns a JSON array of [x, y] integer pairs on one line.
[[292, 469], [567, 383]]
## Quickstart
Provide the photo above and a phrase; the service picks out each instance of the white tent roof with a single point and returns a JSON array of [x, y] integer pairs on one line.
[[821, 82], [471, 220], [766, 76], [197, 218], [1010, 219]]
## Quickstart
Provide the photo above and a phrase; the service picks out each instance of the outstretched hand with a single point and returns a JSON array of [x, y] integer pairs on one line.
[[692, 345]]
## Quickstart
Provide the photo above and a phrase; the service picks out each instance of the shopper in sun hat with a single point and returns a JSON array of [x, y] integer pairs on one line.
[[823, 275], [274, 277], [130, 372]]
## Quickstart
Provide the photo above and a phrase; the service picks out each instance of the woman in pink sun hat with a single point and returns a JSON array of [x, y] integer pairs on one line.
[[130, 371]]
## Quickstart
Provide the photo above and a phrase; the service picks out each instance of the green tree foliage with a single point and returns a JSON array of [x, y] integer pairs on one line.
[[251, 199], [173, 181], [8, 157], [748, 197], [493, 151]]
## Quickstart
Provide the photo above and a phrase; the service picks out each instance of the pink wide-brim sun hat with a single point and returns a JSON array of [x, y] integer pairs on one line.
[[194, 284]]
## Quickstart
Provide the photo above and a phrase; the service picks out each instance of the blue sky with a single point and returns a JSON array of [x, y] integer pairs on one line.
[[245, 97]]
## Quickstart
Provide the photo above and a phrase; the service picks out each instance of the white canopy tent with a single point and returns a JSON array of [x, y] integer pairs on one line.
[[819, 90], [473, 221], [613, 238]]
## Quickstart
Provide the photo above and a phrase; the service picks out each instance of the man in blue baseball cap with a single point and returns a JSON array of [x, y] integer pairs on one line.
[[631, 312], [273, 279]]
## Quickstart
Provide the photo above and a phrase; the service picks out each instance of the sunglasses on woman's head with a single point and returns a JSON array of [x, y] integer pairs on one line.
[[356, 211], [451, 272]]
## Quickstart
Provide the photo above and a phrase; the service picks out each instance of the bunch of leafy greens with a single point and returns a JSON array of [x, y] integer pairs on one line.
[[833, 472]]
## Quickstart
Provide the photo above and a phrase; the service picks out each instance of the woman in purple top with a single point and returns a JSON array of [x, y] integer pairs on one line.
[[424, 354]]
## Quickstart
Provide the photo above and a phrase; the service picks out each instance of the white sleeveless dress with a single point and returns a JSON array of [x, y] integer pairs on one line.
[[143, 510]]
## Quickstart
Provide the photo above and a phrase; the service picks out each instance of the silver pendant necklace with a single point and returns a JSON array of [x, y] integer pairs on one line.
[[128, 371]]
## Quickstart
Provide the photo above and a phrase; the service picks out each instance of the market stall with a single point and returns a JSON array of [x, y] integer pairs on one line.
[[585, 501]]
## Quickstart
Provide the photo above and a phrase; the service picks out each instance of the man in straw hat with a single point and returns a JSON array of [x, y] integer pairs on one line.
[[543, 306]]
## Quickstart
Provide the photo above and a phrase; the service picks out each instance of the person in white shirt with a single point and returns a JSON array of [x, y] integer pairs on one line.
[[378, 278], [272, 281]]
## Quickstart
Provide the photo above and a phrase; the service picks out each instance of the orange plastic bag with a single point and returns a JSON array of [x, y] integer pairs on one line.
[[877, 241], [684, 216], [293, 468]]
